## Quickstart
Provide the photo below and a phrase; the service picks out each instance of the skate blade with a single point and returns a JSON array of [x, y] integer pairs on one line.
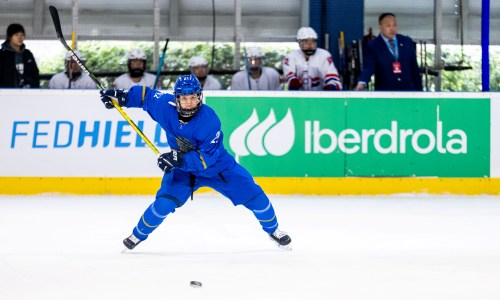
[[286, 247], [282, 247]]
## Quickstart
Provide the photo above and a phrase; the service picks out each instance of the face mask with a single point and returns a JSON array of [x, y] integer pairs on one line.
[[136, 72], [74, 75], [254, 69], [309, 52]]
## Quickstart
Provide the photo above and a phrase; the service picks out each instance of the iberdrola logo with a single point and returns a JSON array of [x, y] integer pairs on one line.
[[264, 137]]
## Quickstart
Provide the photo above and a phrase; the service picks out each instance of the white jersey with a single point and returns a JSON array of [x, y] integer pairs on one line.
[[269, 80], [124, 81], [318, 71], [61, 81], [211, 83]]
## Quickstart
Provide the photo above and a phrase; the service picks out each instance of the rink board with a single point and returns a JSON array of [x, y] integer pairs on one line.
[[54, 141]]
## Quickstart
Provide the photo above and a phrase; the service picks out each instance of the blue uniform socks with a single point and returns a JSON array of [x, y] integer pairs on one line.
[[153, 217], [264, 212]]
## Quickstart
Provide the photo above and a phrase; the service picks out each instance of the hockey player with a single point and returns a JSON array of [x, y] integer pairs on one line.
[[199, 67], [310, 67], [198, 157], [72, 77], [258, 76], [136, 75]]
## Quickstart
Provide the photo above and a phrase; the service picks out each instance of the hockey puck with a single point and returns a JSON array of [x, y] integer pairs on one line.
[[195, 284]]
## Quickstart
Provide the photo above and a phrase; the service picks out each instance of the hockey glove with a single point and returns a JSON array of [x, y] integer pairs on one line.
[[168, 161], [294, 84], [119, 94], [331, 87]]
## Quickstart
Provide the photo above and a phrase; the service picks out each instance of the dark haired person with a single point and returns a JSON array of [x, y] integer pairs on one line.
[[18, 67], [392, 58], [136, 75]]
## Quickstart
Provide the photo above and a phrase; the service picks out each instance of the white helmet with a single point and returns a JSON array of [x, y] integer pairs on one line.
[[196, 61], [254, 52], [69, 54], [305, 33], [137, 54]]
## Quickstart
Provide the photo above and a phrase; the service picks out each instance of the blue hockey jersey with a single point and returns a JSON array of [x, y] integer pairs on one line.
[[200, 140]]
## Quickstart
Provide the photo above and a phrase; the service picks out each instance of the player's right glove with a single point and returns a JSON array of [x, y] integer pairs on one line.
[[294, 84], [168, 161], [119, 94]]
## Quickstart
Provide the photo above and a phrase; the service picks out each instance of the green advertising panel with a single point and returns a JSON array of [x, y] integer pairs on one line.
[[419, 137], [271, 136], [338, 137]]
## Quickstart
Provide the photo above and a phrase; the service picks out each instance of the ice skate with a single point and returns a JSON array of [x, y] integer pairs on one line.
[[282, 239], [130, 243]]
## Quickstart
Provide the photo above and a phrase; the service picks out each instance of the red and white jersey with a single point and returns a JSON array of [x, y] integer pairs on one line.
[[318, 71], [125, 82]]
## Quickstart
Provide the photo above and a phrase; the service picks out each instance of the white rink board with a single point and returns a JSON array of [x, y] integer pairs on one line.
[[34, 154]]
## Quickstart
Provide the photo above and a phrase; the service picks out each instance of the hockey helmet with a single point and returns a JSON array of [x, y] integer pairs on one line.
[[305, 33], [187, 85], [69, 54], [196, 61], [136, 54], [254, 57], [254, 52], [140, 55]]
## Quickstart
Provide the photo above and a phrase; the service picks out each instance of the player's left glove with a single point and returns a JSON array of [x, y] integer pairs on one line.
[[119, 94], [331, 87], [168, 161], [295, 84]]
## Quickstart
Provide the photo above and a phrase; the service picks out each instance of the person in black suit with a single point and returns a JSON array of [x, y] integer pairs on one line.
[[392, 57]]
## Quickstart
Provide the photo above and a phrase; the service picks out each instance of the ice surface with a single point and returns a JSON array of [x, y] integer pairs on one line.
[[385, 247]]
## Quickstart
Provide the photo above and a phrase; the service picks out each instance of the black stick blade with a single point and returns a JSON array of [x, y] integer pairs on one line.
[[57, 22], [166, 44]]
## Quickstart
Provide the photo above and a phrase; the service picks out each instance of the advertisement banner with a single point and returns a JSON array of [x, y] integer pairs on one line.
[[274, 136], [70, 133], [55, 133], [364, 137]]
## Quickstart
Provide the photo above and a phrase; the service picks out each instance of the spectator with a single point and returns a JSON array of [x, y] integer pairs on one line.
[[18, 67], [392, 57], [136, 75], [72, 76], [310, 67], [255, 75], [199, 68]]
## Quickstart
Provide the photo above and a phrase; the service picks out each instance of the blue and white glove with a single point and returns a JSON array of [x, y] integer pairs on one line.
[[119, 94], [168, 161]]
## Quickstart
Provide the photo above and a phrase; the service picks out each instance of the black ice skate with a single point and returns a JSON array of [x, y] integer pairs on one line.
[[281, 238], [131, 242]]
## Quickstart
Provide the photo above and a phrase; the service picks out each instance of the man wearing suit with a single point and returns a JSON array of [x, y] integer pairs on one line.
[[392, 57]]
